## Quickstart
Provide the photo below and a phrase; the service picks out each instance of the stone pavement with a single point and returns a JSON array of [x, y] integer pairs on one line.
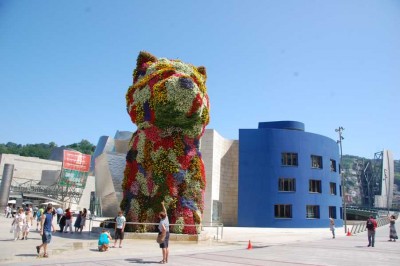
[[271, 246]]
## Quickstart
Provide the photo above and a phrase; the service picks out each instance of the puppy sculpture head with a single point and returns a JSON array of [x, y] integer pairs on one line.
[[168, 94]]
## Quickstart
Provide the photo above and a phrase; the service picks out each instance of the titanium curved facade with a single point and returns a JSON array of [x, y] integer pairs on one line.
[[110, 160], [288, 177]]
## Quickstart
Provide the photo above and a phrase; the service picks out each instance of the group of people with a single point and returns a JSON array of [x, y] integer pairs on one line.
[[24, 219], [371, 226], [120, 222], [22, 223], [105, 237], [64, 220]]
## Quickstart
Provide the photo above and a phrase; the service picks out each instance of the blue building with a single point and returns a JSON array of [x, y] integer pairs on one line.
[[288, 177]]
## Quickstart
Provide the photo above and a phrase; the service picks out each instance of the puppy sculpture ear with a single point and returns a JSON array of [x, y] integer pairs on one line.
[[144, 57], [202, 70], [141, 66]]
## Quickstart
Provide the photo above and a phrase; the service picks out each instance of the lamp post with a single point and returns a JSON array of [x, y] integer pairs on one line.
[[387, 186], [340, 130]]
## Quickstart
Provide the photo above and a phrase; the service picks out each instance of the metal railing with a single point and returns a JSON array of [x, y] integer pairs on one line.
[[219, 227], [362, 225]]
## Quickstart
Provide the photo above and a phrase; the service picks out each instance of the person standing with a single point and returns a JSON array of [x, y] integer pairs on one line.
[[19, 221], [119, 229], [62, 223], [28, 224], [35, 209], [46, 229], [371, 225], [163, 228], [60, 213], [332, 226], [392, 232], [68, 221], [77, 223], [83, 219]]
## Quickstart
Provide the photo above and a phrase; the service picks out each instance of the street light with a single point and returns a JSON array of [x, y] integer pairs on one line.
[[340, 130]]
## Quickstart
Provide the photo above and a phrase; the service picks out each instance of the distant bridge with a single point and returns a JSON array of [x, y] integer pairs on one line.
[[33, 189]]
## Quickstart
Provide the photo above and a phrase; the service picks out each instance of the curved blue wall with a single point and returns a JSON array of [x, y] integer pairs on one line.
[[260, 167]]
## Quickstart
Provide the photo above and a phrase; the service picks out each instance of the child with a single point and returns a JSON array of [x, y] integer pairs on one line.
[[28, 224], [104, 240]]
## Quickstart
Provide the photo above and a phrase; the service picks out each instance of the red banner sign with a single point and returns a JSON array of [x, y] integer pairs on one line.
[[74, 160]]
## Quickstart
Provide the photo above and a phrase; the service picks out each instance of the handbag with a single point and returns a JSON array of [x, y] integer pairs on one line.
[[12, 229], [161, 237]]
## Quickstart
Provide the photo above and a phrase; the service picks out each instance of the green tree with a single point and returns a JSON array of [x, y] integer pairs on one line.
[[84, 147]]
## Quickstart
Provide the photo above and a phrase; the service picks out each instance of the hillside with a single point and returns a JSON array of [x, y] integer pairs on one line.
[[43, 150], [352, 178]]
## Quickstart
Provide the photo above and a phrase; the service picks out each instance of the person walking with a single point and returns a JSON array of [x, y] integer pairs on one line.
[[28, 224], [68, 221], [18, 222], [392, 232], [8, 211], [39, 213], [163, 228], [46, 231], [83, 219], [119, 229], [332, 226], [371, 225]]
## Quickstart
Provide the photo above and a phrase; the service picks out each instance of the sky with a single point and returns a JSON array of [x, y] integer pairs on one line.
[[65, 66]]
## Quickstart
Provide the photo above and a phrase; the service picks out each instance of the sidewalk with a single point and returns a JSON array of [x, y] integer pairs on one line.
[[270, 246]]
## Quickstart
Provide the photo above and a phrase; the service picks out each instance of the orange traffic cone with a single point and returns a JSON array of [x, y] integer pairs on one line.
[[348, 233], [249, 246]]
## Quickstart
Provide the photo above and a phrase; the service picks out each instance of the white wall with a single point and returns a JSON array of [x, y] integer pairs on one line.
[[220, 158]]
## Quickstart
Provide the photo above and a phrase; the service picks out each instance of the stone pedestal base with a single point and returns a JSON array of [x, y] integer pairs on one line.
[[203, 236]]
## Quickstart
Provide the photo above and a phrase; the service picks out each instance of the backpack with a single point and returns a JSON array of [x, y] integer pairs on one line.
[[370, 225]]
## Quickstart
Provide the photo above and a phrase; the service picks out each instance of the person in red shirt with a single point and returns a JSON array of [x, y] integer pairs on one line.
[[68, 221], [371, 225]]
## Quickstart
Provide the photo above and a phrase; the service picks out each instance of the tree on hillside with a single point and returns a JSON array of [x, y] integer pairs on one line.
[[43, 150], [84, 147]]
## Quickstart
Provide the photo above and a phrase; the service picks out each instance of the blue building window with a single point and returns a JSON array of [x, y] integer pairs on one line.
[[287, 184], [332, 188], [289, 159], [283, 211], [316, 161], [315, 186], [312, 211], [332, 212], [333, 165]]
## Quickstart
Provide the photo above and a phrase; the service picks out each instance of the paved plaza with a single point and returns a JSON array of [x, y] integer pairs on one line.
[[270, 246]]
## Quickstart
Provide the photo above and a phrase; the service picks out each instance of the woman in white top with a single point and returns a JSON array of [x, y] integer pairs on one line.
[[19, 221], [163, 227]]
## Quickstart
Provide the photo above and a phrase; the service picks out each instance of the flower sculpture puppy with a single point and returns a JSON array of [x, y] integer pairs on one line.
[[168, 102]]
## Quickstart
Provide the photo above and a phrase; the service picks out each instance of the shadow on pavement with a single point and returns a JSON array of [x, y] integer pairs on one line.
[[26, 255], [141, 261]]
